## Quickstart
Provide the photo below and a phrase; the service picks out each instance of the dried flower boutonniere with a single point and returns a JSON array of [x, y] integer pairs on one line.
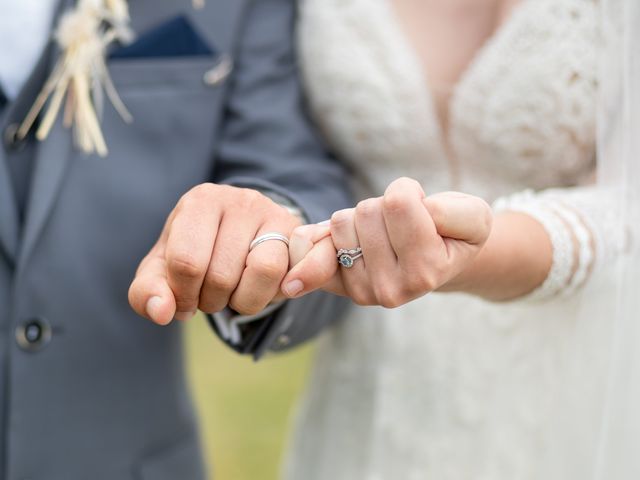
[[80, 77]]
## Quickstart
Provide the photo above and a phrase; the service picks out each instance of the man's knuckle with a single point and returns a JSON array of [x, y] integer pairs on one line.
[[184, 265], [220, 281], [254, 309], [197, 196], [209, 304], [246, 306], [251, 198], [186, 302], [203, 190], [285, 217]]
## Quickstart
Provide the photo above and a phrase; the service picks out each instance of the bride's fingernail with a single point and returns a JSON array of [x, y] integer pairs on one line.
[[325, 223], [293, 288]]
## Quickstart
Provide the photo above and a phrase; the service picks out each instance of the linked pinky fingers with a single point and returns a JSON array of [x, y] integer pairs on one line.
[[318, 269], [303, 240]]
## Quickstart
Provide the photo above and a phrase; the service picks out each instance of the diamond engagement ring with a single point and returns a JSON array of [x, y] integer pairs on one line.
[[347, 258], [268, 237]]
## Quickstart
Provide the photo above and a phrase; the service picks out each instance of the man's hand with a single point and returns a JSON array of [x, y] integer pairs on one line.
[[202, 260], [411, 245]]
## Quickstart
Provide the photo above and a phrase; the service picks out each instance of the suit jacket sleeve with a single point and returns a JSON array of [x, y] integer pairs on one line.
[[268, 144]]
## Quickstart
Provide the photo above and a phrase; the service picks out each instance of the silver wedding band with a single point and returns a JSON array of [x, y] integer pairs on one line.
[[347, 257], [267, 237]]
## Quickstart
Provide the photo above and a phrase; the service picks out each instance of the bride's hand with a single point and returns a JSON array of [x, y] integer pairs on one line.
[[411, 245]]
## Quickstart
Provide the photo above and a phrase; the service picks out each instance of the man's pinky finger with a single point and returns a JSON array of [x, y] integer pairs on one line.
[[150, 295], [318, 269]]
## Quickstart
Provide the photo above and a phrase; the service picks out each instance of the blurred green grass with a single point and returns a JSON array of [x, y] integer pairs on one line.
[[245, 407]]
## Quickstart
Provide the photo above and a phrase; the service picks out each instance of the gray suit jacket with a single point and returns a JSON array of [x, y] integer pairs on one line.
[[89, 390]]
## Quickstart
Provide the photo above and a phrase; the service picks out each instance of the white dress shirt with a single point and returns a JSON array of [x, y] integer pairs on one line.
[[25, 27]]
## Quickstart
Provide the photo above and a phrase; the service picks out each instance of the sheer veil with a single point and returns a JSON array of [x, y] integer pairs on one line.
[[618, 454]]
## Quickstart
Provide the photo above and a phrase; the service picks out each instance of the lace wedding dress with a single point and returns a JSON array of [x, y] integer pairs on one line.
[[451, 387]]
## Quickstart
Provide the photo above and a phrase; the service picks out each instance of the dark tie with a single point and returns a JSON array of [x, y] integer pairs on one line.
[[18, 155]]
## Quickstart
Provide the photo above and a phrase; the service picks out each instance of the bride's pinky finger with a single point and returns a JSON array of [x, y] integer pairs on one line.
[[303, 240]]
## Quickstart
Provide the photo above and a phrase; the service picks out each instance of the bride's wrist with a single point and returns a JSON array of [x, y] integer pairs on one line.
[[515, 260]]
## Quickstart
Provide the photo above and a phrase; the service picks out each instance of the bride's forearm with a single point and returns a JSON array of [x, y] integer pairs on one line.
[[515, 260]]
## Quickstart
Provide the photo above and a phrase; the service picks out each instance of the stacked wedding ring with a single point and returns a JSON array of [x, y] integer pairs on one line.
[[268, 237], [347, 258]]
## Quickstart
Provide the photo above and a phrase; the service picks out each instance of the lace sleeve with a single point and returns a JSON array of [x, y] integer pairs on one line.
[[583, 229]]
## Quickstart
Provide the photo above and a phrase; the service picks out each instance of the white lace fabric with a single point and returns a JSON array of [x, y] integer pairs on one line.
[[451, 387], [562, 241], [584, 231], [521, 117]]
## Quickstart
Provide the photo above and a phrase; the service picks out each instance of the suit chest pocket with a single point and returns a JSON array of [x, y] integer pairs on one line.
[[176, 104], [168, 147]]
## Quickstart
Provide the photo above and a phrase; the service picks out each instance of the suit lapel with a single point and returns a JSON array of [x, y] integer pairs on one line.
[[52, 159], [15, 112], [9, 227], [51, 156], [218, 21]]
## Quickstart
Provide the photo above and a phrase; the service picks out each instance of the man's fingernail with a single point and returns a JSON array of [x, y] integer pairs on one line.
[[326, 222], [154, 308], [293, 288], [184, 316]]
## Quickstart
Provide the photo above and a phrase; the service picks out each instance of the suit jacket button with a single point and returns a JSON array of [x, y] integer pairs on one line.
[[33, 334]]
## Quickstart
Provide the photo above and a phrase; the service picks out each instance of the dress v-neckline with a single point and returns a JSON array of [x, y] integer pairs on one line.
[[466, 77]]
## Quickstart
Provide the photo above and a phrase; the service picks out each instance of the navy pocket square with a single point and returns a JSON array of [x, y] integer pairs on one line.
[[174, 38]]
